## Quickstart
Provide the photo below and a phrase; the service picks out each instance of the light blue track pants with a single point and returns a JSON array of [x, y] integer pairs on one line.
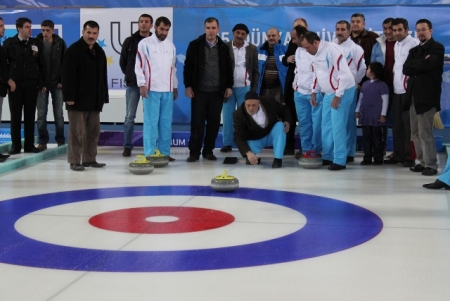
[[309, 121], [276, 138]]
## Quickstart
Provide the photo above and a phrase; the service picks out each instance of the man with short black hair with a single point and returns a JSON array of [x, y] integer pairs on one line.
[[208, 78], [26, 64], [127, 64], [261, 122], [54, 50], [244, 57], [401, 127], [424, 66], [156, 76], [85, 91], [361, 36]]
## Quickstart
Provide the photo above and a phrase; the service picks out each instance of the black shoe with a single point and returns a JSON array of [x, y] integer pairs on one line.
[[61, 143], [171, 159], [226, 149], [428, 171], [417, 168], [277, 163], [248, 162], [298, 154], [14, 151], [391, 161], [126, 152], [408, 163], [3, 157], [77, 167], [42, 147], [326, 162], [334, 166], [377, 162], [32, 149], [191, 159], [437, 185], [209, 157], [289, 151], [364, 162], [94, 164], [350, 159]]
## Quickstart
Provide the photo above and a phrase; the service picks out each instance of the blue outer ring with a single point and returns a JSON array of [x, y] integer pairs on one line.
[[331, 226]]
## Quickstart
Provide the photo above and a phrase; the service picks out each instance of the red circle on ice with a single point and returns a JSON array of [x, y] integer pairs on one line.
[[172, 220]]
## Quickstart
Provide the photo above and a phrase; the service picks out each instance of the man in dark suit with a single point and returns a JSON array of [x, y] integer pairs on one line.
[[3, 86], [424, 66], [257, 125], [85, 91]]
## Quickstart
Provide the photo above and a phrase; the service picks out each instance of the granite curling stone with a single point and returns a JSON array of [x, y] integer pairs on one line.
[[224, 183], [141, 166], [158, 160], [310, 160]]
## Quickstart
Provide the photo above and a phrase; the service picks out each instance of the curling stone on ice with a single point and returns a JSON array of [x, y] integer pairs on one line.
[[158, 159], [224, 183], [141, 166], [310, 160]]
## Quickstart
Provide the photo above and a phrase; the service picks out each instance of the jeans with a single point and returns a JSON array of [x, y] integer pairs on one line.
[[42, 110], [132, 96]]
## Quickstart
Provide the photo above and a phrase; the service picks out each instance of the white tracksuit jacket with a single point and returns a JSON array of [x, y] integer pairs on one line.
[[304, 73], [401, 51], [155, 65], [354, 54], [331, 72]]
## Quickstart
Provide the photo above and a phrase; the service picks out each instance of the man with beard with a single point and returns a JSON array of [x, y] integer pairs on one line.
[[244, 57], [127, 64], [424, 66], [156, 76]]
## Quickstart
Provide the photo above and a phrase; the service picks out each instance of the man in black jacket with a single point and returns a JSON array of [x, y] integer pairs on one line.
[[257, 125], [85, 91], [53, 52], [3, 86], [26, 64], [424, 66], [127, 62], [208, 78], [289, 61]]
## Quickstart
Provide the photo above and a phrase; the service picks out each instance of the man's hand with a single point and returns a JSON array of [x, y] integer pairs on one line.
[[286, 126], [357, 114], [228, 92], [175, 93], [70, 103], [382, 119], [313, 101], [189, 92], [43, 90], [252, 158], [12, 85], [59, 86], [143, 91], [335, 102], [291, 59]]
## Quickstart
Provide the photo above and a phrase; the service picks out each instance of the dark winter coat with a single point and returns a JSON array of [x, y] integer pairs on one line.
[[58, 50]]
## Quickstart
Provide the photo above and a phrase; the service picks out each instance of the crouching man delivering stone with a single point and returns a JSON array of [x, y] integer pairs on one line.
[[257, 125]]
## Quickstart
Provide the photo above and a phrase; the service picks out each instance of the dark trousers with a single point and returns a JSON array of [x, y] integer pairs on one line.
[[84, 131], [23, 98], [289, 101], [401, 129], [373, 143], [205, 106]]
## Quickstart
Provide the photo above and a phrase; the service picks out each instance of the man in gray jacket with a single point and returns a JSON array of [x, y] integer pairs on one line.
[[244, 58]]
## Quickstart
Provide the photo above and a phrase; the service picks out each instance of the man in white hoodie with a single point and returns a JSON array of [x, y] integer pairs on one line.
[[354, 54], [333, 77], [156, 77], [401, 128]]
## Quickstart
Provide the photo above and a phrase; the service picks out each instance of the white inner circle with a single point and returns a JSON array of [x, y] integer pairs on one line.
[[162, 219], [68, 224]]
